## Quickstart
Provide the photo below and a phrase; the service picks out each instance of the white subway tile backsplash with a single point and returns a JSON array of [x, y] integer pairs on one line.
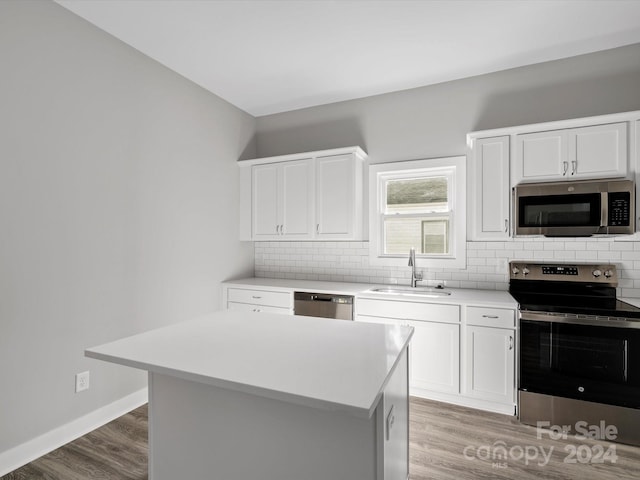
[[349, 261], [635, 255], [598, 246]]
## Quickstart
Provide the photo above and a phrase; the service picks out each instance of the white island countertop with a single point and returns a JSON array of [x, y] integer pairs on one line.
[[316, 362]]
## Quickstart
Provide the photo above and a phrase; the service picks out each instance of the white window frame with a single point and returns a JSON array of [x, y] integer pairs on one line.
[[454, 168]]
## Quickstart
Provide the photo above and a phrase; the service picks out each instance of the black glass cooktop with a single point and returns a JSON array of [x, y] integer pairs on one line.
[[580, 299]]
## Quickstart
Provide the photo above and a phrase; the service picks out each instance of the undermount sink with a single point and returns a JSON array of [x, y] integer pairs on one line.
[[420, 291]]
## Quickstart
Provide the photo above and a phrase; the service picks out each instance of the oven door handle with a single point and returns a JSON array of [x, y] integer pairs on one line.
[[626, 360], [548, 317]]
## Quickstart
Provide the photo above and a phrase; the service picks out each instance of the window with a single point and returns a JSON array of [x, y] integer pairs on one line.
[[418, 204]]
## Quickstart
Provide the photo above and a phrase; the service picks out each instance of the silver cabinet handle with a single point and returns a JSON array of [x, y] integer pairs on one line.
[[277, 229], [510, 342], [506, 225], [256, 297], [490, 316], [281, 229], [565, 167], [574, 166], [317, 228]]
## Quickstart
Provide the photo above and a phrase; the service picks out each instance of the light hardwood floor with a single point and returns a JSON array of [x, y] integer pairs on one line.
[[446, 443]]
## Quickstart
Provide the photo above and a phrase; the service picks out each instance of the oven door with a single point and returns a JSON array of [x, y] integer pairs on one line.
[[585, 362]]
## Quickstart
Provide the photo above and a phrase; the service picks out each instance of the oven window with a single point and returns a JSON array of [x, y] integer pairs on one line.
[[583, 356], [560, 210]]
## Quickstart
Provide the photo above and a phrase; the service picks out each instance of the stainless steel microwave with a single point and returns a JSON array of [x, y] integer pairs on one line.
[[575, 209]]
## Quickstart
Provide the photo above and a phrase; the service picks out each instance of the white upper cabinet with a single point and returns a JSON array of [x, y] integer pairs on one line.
[[578, 149], [542, 156], [338, 197], [297, 199], [307, 196], [282, 199], [266, 222], [489, 199], [598, 151]]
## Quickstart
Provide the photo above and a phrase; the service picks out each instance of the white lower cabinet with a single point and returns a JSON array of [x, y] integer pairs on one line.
[[250, 307], [257, 300], [435, 357], [490, 357], [434, 354], [458, 354]]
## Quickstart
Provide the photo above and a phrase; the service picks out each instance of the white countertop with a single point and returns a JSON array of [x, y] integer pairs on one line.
[[632, 301], [459, 296], [315, 286], [317, 362]]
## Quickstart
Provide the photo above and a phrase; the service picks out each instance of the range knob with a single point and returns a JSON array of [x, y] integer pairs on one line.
[[608, 273], [596, 273], [515, 270], [525, 271]]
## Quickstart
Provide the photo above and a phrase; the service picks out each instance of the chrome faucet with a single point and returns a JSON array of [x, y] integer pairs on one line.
[[415, 276]]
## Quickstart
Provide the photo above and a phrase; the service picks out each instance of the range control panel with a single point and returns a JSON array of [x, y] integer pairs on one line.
[[559, 270], [585, 272]]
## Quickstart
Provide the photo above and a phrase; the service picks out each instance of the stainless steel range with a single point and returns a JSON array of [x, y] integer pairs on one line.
[[579, 360]]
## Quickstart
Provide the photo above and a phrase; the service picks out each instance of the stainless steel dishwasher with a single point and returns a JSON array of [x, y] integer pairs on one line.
[[325, 305]]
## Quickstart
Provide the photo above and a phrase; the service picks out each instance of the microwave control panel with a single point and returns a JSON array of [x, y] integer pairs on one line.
[[619, 209]]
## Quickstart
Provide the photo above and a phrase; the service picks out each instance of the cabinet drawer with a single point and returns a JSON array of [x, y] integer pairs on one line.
[[408, 310], [247, 307], [259, 297], [491, 317]]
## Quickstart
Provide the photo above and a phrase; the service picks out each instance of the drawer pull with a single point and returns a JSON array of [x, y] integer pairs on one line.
[[490, 316], [258, 298]]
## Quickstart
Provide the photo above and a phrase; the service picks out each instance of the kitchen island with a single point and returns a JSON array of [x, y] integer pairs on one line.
[[241, 395]]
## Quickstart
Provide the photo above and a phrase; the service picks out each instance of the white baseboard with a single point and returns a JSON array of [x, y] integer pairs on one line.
[[18, 456], [457, 399]]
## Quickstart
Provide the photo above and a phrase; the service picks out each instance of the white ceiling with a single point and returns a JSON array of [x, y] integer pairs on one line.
[[272, 56]]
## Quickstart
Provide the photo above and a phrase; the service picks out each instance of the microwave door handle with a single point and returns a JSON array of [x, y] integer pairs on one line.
[[604, 209]]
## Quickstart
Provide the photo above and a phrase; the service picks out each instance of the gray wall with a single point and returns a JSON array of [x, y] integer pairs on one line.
[[118, 209], [433, 121]]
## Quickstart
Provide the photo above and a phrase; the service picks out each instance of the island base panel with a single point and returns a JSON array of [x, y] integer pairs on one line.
[[207, 432]]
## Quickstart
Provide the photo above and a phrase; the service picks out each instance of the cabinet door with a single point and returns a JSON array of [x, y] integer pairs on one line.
[[296, 189], [434, 353], [598, 151], [336, 197], [435, 356], [490, 364], [265, 208], [541, 156], [490, 202]]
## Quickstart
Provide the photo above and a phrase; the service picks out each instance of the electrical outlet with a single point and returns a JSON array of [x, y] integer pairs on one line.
[[82, 381]]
